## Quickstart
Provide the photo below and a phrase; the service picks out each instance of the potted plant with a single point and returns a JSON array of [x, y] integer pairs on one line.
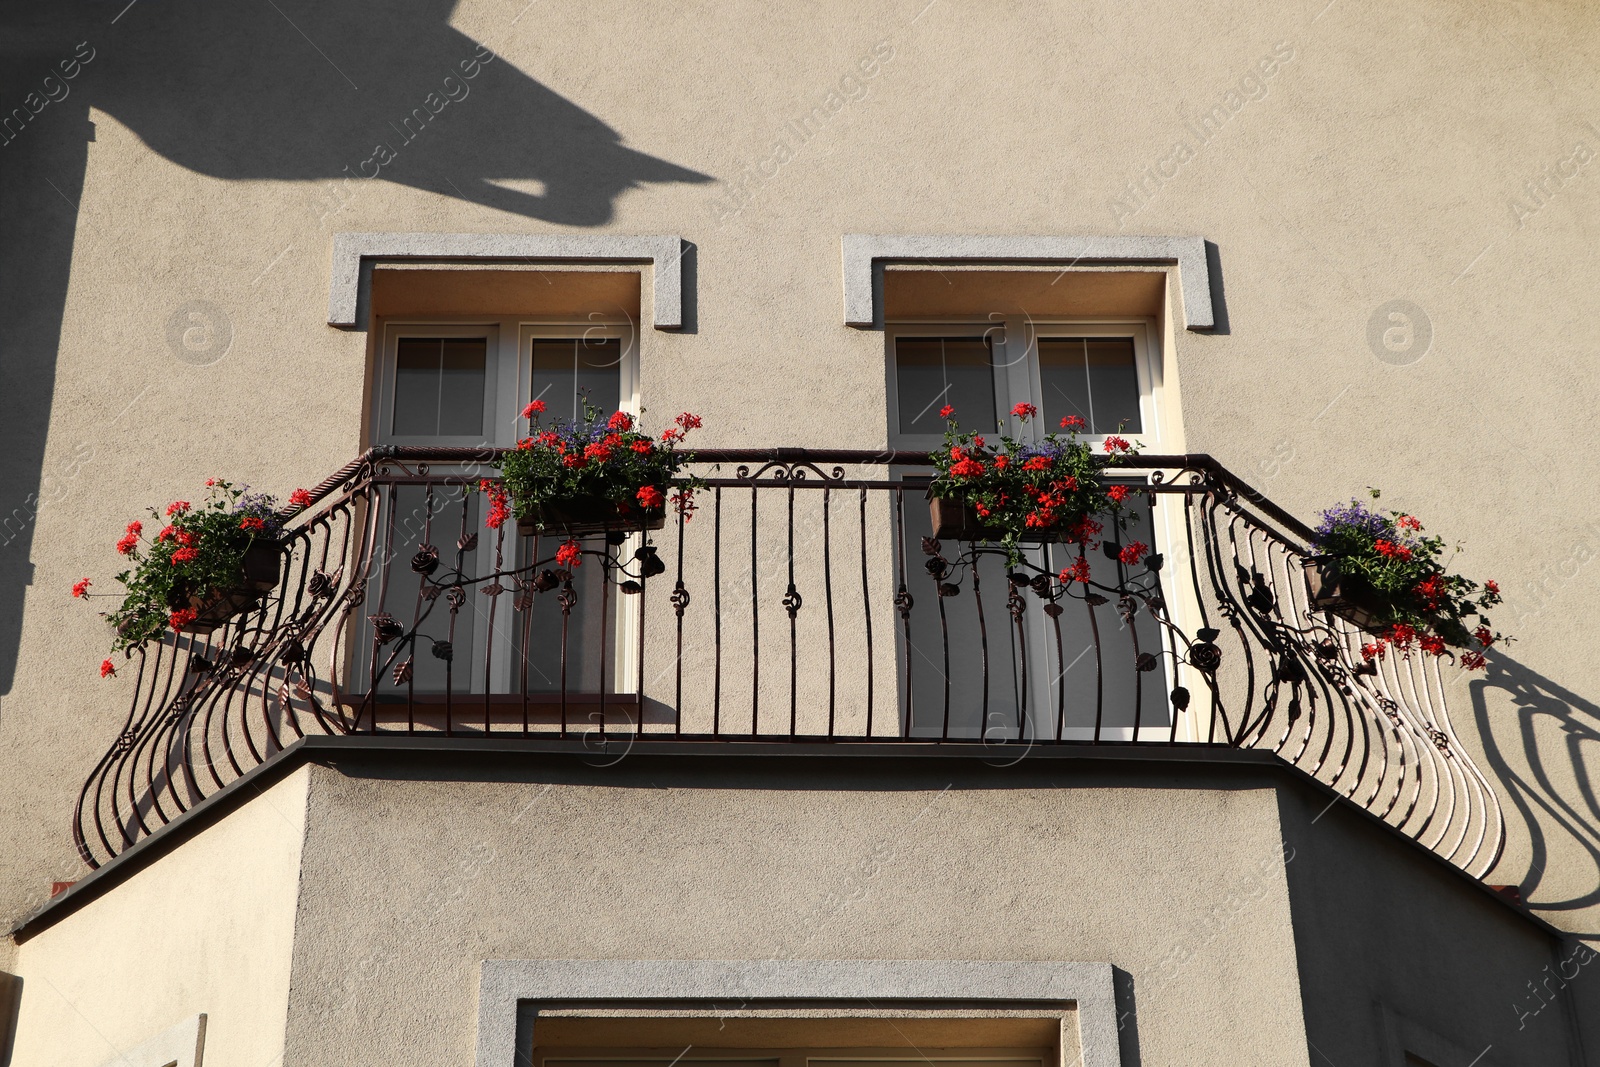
[[1381, 572], [598, 475], [204, 565], [1024, 491]]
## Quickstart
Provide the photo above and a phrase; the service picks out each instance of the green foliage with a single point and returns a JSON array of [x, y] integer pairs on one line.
[[600, 458], [1390, 562], [198, 552], [1055, 484]]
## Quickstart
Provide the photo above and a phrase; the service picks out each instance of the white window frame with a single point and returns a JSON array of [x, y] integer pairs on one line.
[[508, 369], [1014, 340], [383, 403], [507, 379], [1017, 378]]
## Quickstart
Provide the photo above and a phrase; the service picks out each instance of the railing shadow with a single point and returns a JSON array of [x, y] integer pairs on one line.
[[1539, 760]]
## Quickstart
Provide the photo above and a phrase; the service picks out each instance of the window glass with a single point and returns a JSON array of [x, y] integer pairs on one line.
[[566, 370], [1093, 378], [439, 386], [931, 372]]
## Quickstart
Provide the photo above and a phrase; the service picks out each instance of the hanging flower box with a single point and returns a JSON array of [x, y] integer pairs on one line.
[[957, 521], [259, 572], [1350, 598], [204, 565], [584, 516], [1378, 570], [1026, 491], [598, 475]]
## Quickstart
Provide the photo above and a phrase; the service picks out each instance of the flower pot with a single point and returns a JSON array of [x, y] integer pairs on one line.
[[1351, 599], [954, 520], [584, 516], [258, 575]]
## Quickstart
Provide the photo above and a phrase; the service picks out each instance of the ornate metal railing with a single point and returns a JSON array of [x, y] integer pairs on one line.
[[802, 601]]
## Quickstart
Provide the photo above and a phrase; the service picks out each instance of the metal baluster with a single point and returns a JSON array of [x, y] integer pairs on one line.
[[866, 605], [716, 612]]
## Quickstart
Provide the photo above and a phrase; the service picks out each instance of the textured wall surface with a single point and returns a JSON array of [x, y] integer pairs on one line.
[[657, 859], [171, 192], [206, 930]]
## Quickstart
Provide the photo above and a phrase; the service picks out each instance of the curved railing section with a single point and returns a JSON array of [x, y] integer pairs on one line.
[[804, 599]]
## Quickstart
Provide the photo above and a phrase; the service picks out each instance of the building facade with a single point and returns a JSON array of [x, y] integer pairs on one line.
[[790, 778]]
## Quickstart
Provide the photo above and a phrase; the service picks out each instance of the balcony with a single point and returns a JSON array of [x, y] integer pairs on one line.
[[804, 602]]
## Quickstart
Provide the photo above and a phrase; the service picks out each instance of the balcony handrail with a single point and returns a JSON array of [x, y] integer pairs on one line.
[[898, 640]]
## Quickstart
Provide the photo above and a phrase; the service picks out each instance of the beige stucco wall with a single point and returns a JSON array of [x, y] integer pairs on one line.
[[208, 929], [658, 859], [1388, 159]]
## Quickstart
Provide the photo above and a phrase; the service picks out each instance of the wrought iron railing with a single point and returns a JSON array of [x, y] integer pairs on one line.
[[803, 600]]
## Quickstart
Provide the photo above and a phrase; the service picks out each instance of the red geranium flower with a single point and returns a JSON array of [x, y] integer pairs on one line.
[[1473, 661], [570, 554], [107, 669], [683, 500], [1492, 586], [644, 448], [1077, 572], [185, 554], [1116, 444], [946, 411], [499, 503], [1432, 644], [621, 421], [966, 467], [177, 507], [182, 617], [1407, 522], [1072, 422], [1036, 463], [650, 497], [1373, 650], [1134, 552], [670, 434], [1024, 410], [128, 543], [300, 498], [688, 421], [251, 522], [535, 407], [1117, 493], [1391, 550], [81, 587], [1484, 635]]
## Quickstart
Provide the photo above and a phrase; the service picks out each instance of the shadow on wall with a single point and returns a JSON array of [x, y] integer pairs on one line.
[[289, 90], [1541, 760]]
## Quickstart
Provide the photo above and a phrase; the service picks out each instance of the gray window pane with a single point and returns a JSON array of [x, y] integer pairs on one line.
[[931, 372], [1114, 384], [1064, 380], [439, 386], [566, 369], [461, 381], [1093, 378], [416, 387]]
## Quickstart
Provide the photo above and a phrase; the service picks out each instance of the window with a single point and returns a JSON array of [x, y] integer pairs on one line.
[[739, 1038], [1106, 373], [439, 386], [455, 383], [465, 383], [1094, 378]]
